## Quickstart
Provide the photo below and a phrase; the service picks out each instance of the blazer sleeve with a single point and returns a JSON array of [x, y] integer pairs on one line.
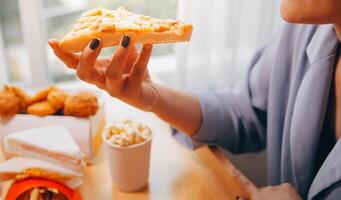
[[235, 118]]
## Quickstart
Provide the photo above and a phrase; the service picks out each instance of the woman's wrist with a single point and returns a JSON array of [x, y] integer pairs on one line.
[[155, 98], [181, 109], [146, 99]]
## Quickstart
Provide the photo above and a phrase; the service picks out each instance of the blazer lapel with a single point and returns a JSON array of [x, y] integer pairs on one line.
[[310, 106], [329, 173], [307, 122]]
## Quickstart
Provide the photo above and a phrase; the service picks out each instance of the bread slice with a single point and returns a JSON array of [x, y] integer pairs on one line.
[[51, 143], [111, 25], [19, 168]]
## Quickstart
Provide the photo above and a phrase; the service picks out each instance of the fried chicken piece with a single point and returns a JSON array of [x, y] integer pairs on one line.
[[57, 98], [9, 105], [82, 104], [41, 109], [19, 94], [41, 95]]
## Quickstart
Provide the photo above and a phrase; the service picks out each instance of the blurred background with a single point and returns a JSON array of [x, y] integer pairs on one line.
[[226, 34]]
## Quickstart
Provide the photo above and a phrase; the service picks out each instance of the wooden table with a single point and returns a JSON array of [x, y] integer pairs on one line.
[[175, 173]]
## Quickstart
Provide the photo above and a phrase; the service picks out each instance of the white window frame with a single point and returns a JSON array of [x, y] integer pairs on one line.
[[3, 61], [34, 29]]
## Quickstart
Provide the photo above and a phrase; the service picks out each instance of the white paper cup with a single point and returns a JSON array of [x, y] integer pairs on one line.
[[129, 166]]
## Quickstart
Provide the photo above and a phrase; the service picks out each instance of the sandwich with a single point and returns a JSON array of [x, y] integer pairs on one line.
[[20, 168], [44, 163], [51, 144]]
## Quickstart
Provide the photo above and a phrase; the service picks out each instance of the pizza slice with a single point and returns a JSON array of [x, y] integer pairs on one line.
[[111, 25]]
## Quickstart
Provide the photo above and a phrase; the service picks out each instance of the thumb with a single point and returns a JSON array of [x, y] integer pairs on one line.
[[250, 188], [69, 59]]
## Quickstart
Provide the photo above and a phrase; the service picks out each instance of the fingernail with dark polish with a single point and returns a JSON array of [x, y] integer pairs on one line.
[[94, 44], [125, 41]]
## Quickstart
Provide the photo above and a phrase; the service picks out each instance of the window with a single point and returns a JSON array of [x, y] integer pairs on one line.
[[14, 61], [26, 26]]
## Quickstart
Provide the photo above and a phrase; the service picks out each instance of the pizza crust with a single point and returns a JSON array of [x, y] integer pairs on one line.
[[110, 25]]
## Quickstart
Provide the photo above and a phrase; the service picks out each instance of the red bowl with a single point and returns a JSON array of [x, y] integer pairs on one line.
[[19, 187]]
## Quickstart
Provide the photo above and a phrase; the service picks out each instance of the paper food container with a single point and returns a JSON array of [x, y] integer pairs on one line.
[[85, 131]]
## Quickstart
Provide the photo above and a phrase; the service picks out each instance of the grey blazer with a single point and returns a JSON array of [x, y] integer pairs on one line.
[[280, 105]]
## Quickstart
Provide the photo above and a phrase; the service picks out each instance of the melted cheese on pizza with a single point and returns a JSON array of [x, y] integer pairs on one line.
[[121, 20], [110, 25]]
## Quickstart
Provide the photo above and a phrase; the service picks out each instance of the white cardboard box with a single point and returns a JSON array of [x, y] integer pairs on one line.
[[85, 131]]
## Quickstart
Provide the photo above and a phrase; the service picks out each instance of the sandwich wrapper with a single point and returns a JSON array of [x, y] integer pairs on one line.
[[85, 131]]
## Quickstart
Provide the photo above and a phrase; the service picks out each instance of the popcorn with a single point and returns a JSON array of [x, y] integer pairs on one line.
[[127, 133]]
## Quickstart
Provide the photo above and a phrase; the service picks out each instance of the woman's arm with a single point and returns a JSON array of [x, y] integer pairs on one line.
[[179, 108], [125, 76]]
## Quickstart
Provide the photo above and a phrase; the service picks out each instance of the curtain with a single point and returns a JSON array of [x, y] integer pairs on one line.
[[226, 33]]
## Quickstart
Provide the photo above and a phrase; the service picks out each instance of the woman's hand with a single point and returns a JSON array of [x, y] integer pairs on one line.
[[124, 75], [281, 192], [284, 191]]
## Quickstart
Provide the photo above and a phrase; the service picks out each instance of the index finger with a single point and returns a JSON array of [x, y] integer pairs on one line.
[[86, 69]]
